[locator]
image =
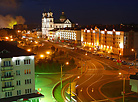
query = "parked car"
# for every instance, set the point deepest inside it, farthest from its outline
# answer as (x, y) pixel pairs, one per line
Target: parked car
(114, 60)
(107, 57)
(111, 58)
(101, 55)
(124, 62)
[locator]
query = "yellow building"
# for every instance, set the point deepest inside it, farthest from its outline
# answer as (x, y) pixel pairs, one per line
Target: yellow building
(111, 41)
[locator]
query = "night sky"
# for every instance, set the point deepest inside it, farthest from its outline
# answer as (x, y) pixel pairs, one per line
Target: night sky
(83, 12)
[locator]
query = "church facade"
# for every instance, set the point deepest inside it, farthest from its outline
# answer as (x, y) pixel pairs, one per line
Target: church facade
(48, 23)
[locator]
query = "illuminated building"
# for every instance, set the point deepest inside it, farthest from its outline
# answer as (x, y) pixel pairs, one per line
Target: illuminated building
(48, 23)
(71, 35)
(17, 75)
(110, 40)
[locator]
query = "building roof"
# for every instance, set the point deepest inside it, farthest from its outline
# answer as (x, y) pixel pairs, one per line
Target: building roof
(63, 16)
(27, 96)
(9, 50)
(135, 77)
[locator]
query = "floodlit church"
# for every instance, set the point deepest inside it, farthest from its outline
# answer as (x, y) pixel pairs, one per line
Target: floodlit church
(48, 23)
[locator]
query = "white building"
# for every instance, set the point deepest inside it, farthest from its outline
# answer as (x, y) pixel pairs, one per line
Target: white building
(48, 23)
(17, 74)
(70, 35)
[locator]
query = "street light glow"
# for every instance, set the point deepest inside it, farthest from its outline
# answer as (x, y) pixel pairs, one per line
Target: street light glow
(132, 49)
(41, 56)
(120, 73)
(67, 63)
(28, 50)
(48, 52)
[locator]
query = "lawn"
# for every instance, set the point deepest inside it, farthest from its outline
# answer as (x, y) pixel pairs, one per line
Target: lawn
(115, 88)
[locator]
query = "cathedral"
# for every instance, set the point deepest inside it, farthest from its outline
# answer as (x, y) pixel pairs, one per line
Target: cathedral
(48, 23)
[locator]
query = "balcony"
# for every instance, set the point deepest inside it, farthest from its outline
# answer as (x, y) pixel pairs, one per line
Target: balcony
(6, 68)
(7, 88)
(5, 78)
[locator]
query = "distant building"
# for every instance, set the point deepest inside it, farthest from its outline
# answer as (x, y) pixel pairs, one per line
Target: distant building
(134, 82)
(111, 40)
(48, 23)
(17, 74)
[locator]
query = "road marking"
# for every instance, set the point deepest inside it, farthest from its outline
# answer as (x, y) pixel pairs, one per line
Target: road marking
(100, 100)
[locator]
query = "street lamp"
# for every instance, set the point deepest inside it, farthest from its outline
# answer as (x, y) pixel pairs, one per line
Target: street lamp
(123, 92)
(62, 65)
(70, 85)
(135, 55)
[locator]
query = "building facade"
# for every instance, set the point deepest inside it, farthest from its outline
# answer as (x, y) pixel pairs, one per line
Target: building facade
(70, 35)
(111, 41)
(49, 23)
(17, 74)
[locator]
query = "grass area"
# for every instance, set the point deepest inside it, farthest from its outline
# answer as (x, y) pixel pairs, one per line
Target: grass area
(57, 91)
(115, 88)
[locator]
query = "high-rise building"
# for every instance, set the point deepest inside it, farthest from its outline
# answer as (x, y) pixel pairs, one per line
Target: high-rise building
(17, 74)
(48, 23)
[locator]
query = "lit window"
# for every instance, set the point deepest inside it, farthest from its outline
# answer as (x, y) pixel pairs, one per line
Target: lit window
(24, 71)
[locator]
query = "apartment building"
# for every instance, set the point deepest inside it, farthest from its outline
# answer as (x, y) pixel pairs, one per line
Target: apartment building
(111, 40)
(17, 74)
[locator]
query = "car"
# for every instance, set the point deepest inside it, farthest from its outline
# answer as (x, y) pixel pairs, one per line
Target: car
(107, 57)
(111, 58)
(131, 64)
(101, 55)
(114, 60)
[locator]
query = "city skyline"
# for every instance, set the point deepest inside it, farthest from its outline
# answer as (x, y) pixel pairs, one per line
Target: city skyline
(83, 13)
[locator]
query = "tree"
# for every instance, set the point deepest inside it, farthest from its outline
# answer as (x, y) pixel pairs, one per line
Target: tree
(72, 61)
(53, 48)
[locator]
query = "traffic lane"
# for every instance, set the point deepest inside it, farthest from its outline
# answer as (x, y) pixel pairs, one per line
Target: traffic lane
(82, 89)
(87, 80)
(94, 89)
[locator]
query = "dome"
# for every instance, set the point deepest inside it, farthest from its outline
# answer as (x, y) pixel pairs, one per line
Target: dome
(63, 17)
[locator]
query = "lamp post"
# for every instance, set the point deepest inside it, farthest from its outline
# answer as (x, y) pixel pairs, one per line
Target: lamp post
(135, 55)
(70, 86)
(123, 92)
(62, 65)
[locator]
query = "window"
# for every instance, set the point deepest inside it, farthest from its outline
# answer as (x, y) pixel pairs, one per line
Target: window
(17, 72)
(7, 74)
(28, 91)
(18, 82)
(18, 92)
(7, 63)
(17, 62)
(27, 61)
(27, 71)
(8, 84)
(24, 71)
(8, 94)
(27, 81)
